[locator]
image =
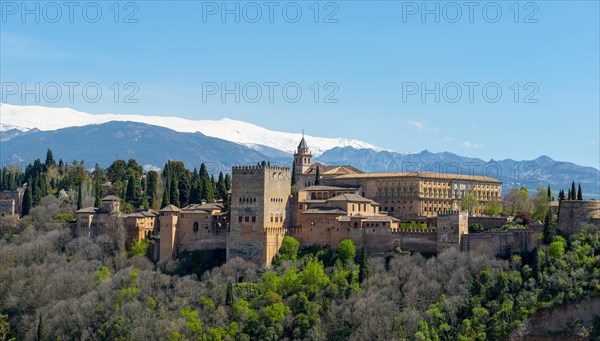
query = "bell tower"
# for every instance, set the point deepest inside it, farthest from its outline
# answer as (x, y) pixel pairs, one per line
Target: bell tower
(302, 157)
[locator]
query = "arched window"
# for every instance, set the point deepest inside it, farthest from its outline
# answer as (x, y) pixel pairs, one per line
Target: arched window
(195, 226)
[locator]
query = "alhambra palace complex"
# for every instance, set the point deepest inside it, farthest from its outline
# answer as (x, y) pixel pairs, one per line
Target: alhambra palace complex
(367, 208)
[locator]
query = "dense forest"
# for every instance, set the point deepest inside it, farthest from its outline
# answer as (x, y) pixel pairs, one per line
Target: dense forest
(55, 286)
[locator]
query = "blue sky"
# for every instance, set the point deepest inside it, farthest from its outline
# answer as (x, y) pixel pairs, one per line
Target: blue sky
(373, 62)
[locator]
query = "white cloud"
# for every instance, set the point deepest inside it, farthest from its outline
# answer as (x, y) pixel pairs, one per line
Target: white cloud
(420, 125)
(468, 144)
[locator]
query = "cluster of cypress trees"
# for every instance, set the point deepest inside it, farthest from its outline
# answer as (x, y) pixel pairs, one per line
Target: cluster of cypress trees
(182, 187)
(571, 194)
(178, 185)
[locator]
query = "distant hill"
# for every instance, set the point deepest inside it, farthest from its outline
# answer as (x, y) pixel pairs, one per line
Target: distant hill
(151, 145)
(528, 173)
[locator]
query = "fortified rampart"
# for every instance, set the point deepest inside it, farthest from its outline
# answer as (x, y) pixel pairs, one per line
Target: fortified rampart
(575, 214)
(502, 243)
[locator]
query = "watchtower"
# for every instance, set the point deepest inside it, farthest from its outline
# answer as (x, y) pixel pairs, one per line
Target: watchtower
(260, 197)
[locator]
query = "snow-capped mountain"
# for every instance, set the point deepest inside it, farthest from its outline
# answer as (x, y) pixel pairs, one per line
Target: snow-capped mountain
(25, 118)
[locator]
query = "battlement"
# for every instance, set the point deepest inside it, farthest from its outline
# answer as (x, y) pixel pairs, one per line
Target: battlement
(275, 230)
(415, 231)
(259, 168)
(450, 213)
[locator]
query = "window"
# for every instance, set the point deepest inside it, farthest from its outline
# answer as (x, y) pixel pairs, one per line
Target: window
(254, 219)
(195, 226)
(247, 218)
(240, 219)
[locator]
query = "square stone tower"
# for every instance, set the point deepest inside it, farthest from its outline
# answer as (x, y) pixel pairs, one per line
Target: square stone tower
(450, 228)
(260, 199)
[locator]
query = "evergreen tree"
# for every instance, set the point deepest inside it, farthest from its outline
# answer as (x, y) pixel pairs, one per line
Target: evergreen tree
(364, 272)
(40, 330)
(27, 201)
(579, 194)
(317, 177)
(561, 195)
(174, 193)
(549, 229)
(196, 193)
(294, 174)
(97, 194)
(229, 300)
(549, 193)
(152, 187)
(573, 191)
(207, 186)
(207, 191)
(166, 196)
(49, 159)
(130, 194)
(228, 181)
(80, 197)
(569, 195)
(221, 187)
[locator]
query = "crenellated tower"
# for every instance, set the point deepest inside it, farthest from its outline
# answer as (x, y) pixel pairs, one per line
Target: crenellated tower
(260, 200)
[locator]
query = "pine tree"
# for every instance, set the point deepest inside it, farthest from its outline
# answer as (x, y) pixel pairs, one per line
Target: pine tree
(579, 194)
(27, 201)
(229, 300)
(80, 197)
(573, 191)
(364, 272)
(317, 177)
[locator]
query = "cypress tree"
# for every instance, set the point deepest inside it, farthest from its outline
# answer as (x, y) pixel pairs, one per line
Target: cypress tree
(228, 181)
(364, 272)
(174, 192)
(166, 196)
(549, 193)
(49, 159)
(317, 177)
(229, 300)
(573, 191)
(130, 194)
(97, 194)
(152, 187)
(40, 330)
(221, 187)
(549, 229)
(569, 195)
(561, 195)
(196, 193)
(294, 174)
(207, 191)
(27, 201)
(579, 194)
